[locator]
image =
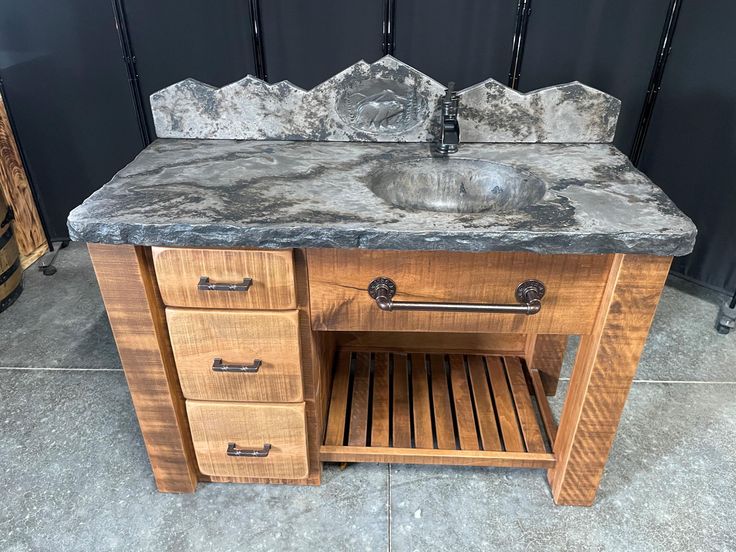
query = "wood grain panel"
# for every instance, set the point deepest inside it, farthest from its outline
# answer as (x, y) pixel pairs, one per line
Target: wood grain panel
(358, 432)
(434, 456)
(138, 323)
(380, 418)
(484, 404)
(338, 279)
(335, 433)
(422, 411)
(402, 416)
(179, 271)
(550, 426)
(441, 401)
(464, 416)
(428, 342)
(15, 187)
(198, 336)
(250, 426)
(504, 406)
(604, 368)
(524, 408)
(546, 355)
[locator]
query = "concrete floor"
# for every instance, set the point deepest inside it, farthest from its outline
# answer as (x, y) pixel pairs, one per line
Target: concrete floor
(76, 476)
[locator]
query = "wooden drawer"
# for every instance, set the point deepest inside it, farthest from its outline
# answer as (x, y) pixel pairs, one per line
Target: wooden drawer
(179, 271)
(250, 427)
(237, 338)
(339, 278)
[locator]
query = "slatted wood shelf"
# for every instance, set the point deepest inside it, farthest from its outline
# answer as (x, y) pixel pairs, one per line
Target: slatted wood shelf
(417, 408)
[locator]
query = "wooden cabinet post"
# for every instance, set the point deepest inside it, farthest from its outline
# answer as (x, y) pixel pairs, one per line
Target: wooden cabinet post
(138, 322)
(604, 368)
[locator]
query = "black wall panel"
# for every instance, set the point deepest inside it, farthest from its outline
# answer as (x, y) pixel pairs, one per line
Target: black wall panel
(465, 41)
(607, 44)
(67, 92)
(691, 147)
(66, 83)
(306, 42)
(172, 40)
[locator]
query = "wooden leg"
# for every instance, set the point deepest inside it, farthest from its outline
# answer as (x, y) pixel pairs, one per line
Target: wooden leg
(604, 367)
(544, 353)
(137, 318)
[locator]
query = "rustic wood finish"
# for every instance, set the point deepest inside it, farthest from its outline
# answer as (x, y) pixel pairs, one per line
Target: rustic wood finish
(250, 426)
(338, 280)
(480, 343)
(545, 354)
(481, 458)
(604, 367)
(179, 271)
(139, 325)
(15, 187)
(198, 336)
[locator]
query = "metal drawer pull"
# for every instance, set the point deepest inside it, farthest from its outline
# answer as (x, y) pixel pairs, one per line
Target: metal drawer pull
(205, 285)
(529, 294)
(218, 366)
(233, 450)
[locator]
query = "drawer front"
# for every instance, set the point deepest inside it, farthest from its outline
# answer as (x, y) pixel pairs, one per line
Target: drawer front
(239, 339)
(250, 428)
(271, 273)
(339, 300)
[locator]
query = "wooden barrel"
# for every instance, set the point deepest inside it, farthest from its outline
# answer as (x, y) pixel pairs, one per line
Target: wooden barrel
(11, 273)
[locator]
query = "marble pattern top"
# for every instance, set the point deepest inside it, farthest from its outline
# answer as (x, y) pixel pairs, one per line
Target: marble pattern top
(228, 193)
(385, 101)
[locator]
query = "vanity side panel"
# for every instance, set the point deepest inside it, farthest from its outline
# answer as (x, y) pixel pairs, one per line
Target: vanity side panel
(136, 314)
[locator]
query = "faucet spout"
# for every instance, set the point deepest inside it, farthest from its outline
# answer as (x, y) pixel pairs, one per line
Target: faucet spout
(450, 127)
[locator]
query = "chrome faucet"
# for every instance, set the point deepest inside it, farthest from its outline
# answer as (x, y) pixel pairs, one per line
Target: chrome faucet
(450, 131)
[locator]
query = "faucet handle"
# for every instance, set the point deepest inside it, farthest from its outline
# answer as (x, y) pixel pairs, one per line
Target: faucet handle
(450, 91)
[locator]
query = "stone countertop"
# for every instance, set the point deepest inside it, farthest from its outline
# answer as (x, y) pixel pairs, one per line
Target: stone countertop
(228, 193)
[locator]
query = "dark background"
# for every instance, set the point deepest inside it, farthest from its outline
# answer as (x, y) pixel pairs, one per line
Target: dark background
(65, 82)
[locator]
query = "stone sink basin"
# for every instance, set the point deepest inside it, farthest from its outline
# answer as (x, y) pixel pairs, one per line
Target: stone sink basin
(456, 185)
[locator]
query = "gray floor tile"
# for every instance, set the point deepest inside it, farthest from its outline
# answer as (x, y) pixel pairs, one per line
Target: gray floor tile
(76, 477)
(669, 485)
(683, 344)
(59, 321)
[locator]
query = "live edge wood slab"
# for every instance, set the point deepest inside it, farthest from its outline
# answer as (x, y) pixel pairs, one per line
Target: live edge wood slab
(574, 453)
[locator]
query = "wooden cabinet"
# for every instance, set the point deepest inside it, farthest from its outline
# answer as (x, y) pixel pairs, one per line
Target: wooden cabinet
(237, 355)
(237, 279)
(280, 360)
(339, 300)
(249, 440)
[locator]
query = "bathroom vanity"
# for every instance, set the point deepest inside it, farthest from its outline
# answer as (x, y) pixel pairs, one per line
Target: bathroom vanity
(296, 277)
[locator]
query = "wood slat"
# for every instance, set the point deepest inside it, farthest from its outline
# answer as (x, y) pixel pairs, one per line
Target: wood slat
(380, 417)
(358, 431)
(335, 433)
(483, 404)
(544, 411)
(466, 430)
(402, 416)
(441, 398)
(504, 406)
(422, 409)
(524, 407)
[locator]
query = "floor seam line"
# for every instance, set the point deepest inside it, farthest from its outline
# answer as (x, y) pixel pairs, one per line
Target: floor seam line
(48, 369)
(388, 478)
(686, 382)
